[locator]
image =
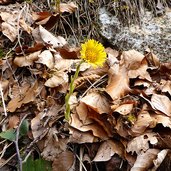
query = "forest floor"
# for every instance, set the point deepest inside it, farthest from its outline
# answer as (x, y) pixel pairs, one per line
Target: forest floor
(120, 112)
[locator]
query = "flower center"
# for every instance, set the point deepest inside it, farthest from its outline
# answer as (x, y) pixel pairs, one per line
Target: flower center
(91, 55)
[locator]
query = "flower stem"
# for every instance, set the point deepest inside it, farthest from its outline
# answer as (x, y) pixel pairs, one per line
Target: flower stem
(71, 90)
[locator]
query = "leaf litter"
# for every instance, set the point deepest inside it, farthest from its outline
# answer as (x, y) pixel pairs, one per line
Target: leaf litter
(121, 109)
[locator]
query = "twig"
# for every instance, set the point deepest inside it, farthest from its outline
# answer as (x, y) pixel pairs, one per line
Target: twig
(92, 85)
(7, 160)
(16, 143)
(81, 158)
(3, 101)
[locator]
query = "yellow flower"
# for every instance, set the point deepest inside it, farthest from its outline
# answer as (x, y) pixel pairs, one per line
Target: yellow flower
(93, 53)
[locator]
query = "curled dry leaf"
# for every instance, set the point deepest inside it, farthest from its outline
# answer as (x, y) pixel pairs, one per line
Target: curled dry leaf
(26, 60)
(160, 157)
(46, 58)
(141, 143)
(64, 64)
(143, 121)
(107, 149)
(88, 116)
(12, 23)
(13, 122)
(161, 103)
(118, 84)
(97, 102)
(96, 129)
(145, 160)
(166, 86)
(79, 137)
(38, 130)
(161, 119)
(153, 60)
(41, 17)
(69, 7)
(124, 109)
(64, 161)
(9, 31)
(59, 78)
(131, 59)
(140, 72)
(28, 95)
(67, 52)
(53, 145)
(50, 39)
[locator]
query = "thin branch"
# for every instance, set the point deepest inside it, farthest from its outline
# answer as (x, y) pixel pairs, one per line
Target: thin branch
(3, 101)
(16, 143)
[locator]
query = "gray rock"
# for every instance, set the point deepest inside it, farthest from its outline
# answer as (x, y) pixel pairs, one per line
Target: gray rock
(153, 33)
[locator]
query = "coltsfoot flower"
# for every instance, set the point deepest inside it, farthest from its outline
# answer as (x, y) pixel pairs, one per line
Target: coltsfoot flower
(93, 53)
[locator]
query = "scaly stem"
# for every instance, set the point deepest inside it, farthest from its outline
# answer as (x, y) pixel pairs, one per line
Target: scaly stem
(71, 90)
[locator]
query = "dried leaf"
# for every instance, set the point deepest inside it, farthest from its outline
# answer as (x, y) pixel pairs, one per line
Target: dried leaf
(9, 31)
(79, 137)
(140, 71)
(28, 95)
(26, 60)
(60, 78)
(124, 109)
(144, 121)
(13, 122)
(53, 145)
(63, 162)
(50, 39)
(144, 161)
(68, 52)
(118, 84)
(160, 157)
(94, 127)
(141, 143)
(161, 103)
(46, 58)
(161, 119)
(107, 150)
(69, 7)
(132, 59)
(38, 129)
(97, 102)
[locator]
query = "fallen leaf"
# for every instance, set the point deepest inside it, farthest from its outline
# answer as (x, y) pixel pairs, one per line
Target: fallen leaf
(96, 129)
(13, 122)
(144, 120)
(140, 71)
(67, 7)
(131, 59)
(26, 60)
(124, 109)
(53, 145)
(9, 31)
(64, 161)
(141, 143)
(162, 119)
(145, 160)
(97, 102)
(50, 39)
(118, 84)
(46, 58)
(79, 137)
(160, 157)
(161, 103)
(60, 78)
(28, 95)
(107, 149)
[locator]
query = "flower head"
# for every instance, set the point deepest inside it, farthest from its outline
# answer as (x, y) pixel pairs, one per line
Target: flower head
(93, 53)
